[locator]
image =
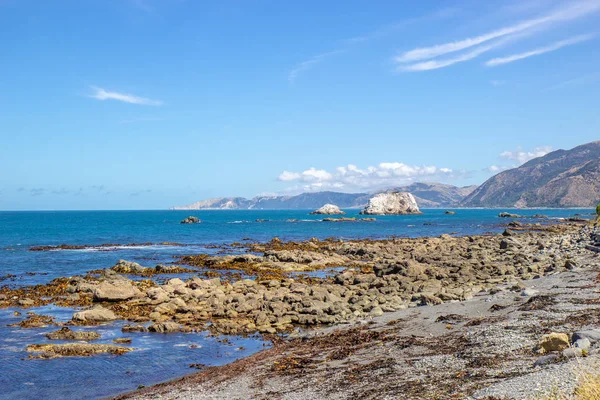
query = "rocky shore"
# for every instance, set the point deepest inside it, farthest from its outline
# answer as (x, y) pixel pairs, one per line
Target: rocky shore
(527, 340)
(272, 288)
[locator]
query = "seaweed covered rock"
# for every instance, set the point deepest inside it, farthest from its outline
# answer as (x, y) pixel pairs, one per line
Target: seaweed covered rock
(191, 220)
(74, 350)
(65, 333)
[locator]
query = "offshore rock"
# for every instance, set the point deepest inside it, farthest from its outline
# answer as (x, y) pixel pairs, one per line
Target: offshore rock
(191, 220)
(74, 350)
(395, 203)
(329, 209)
(67, 334)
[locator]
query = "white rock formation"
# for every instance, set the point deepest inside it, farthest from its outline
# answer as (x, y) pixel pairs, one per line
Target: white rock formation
(329, 209)
(395, 203)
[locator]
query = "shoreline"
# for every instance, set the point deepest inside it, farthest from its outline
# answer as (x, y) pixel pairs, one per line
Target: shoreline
(463, 349)
(382, 278)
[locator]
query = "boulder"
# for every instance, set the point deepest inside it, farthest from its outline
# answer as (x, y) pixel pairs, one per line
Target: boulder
(116, 291)
(529, 292)
(164, 327)
(509, 215)
(572, 352)
(583, 344)
(548, 359)
(376, 312)
(554, 342)
(394, 203)
(329, 209)
(191, 220)
(134, 328)
(96, 314)
(128, 267)
(593, 335)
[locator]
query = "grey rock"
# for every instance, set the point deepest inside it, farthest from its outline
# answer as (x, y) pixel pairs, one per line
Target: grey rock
(572, 352)
(544, 360)
(583, 344)
(529, 292)
(592, 335)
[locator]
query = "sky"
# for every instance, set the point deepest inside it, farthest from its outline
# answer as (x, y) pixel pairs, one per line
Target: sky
(147, 104)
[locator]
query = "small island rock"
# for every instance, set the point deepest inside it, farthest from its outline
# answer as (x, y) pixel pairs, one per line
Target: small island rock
(394, 203)
(191, 220)
(329, 209)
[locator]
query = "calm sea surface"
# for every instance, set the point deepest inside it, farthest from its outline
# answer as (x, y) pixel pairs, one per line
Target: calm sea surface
(162, 357)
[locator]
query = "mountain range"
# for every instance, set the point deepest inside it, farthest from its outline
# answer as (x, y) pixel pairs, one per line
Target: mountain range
(562, 178)
(428, 195)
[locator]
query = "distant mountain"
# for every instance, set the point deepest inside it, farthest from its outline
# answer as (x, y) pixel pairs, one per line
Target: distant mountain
(435, 195)
(427, 195)
(301, 201)
(562, 178)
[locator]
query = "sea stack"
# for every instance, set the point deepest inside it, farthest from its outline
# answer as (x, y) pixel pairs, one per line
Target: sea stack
(394, 203)
(329, 209)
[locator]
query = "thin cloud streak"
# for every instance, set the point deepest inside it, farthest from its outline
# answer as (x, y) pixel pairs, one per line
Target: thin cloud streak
(582, 80)
(308, 64)
(542, 50)
(571, 12)
(101, 94)
(389, 29)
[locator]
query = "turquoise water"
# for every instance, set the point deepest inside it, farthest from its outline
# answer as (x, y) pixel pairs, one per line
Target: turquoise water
(162, 357)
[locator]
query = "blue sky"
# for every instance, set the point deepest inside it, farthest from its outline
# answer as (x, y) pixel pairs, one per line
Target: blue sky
(135, 104)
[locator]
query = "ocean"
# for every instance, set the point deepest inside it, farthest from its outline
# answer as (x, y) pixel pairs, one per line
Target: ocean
(161, 357)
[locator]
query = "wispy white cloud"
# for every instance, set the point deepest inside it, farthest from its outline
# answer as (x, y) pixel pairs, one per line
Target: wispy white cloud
(574, 10)
(101, 94)
(436, 64)
(351, 177)
(385, 30)
(520, 156)
(310, 63)
(497, 82)
(541, 50)
(414, 58)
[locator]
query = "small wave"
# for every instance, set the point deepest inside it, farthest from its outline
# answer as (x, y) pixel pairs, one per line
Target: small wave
(238, 222)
